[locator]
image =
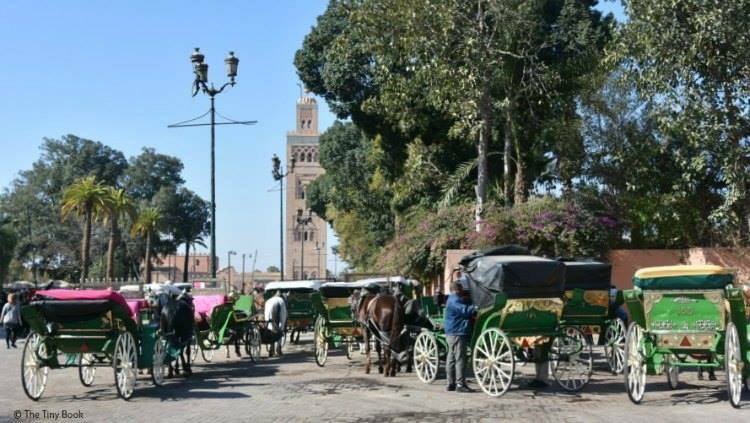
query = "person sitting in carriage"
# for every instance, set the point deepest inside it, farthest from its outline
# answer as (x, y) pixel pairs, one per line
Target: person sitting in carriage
(458, 314)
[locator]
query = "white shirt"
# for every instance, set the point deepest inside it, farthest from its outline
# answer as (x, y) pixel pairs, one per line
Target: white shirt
(271, 303)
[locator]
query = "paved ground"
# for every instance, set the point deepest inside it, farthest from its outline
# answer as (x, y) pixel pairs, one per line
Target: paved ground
(294, 388)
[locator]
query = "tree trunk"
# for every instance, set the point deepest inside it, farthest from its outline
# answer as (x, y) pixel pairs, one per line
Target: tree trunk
(507, 154)
(113, 241)
(485, 135)
(187, 262)
(147, 266)
(519, 195)
(85, 245)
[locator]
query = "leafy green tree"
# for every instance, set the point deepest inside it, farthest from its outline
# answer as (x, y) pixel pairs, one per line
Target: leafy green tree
(150, 171)
(8, 241)
(119, 206)
(691, 58)
(185, 218)
(147, 225)
(272, 269)
(88, 200)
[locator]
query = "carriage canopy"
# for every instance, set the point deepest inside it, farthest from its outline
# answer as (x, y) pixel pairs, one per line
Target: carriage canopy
(344, 289)
(306, 286)
(587, 275)
(684, 277)
(517, 276)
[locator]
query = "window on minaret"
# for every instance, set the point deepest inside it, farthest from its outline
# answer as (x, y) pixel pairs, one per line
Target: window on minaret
(303, 124)
(309, 157)
(309, 124)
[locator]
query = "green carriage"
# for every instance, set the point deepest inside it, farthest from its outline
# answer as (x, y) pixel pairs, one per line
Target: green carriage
(300, 311)
(520, 301)
(594, 307)
(686, 317)
(223, 321)
(335, 326)
(90, 329)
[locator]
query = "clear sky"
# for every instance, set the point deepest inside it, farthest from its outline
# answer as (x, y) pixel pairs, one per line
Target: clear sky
(119, 73)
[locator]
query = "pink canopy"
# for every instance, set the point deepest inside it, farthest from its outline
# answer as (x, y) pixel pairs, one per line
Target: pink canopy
(136, 305)
(86, 294)
(204, 305)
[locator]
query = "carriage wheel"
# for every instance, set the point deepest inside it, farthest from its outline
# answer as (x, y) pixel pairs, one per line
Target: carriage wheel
(426, 359)
(635, 364)
(572, 359)
(614, 347)
(208, 347)
(125, 364)
(673, 372)
(252, 342)
(733, 365)
(86, 369)
(33, 372)
(321, 343)
(493, 362)
(159, 366)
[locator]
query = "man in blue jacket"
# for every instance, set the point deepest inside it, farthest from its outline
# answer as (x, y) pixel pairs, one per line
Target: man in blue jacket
(457, 332)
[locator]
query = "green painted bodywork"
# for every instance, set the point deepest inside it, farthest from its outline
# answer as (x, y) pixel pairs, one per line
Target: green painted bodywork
(225, 320)
(685, 282)
(676, 314)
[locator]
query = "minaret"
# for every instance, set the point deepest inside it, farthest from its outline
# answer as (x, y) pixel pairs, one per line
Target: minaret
(302, 147)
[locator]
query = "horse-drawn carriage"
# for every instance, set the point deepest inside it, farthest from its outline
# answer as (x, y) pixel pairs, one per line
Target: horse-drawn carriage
(335, 324)
(520, 301)
(223, 321)
(686, 316)
(89, 329)
(300, 311)
(594, 308)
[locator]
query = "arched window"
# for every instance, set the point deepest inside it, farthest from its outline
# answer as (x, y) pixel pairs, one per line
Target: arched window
(309, 124)
(302, 157)
(305, 235)
(309, 157)
(303, 124)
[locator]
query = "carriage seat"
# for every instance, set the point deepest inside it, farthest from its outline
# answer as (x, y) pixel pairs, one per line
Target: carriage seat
(683, 277)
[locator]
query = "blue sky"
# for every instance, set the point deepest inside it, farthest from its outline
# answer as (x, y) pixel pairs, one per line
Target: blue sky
(119, 73)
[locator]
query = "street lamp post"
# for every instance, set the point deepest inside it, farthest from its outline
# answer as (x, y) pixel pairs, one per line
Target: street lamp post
(279, 175)
(303, 221)
(229, 269)
(200, 70)
(319, 249)
(243, 273)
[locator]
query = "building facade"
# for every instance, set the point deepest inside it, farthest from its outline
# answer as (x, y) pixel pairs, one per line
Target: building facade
(305, 256)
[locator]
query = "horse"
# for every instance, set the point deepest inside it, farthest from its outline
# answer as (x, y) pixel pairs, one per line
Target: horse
(176, 324)
(275, 313)
(385, 322)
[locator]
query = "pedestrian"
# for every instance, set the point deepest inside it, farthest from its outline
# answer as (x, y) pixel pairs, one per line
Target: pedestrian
(458, 314)
(439, 299)
(11, 318)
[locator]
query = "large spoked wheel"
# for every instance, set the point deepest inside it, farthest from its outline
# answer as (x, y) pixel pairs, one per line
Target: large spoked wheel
(160, 367)
(252, 343)
(194, 349)
(673, 372)
(125, 364)
(635, 364)
(321, 343)
(86, 369)
(426, 358)
(33, 372)
(733, 364)
(208, 347)
(614, 347)
(493, 362)
(571, 359)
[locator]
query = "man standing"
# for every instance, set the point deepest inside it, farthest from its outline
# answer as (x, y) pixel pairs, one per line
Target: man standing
(457, 331)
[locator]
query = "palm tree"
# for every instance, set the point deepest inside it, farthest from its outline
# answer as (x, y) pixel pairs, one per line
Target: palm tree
(120, 205)
(147, 225)
(192, 240)
(87, 200)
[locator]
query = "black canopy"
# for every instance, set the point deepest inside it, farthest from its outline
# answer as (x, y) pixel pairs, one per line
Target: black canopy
(518, 276)
(588, 275)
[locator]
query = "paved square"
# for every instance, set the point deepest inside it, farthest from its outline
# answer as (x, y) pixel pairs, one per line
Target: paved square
(294, 388)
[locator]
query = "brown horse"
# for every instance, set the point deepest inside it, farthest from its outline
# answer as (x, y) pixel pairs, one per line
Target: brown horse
(385, 322)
